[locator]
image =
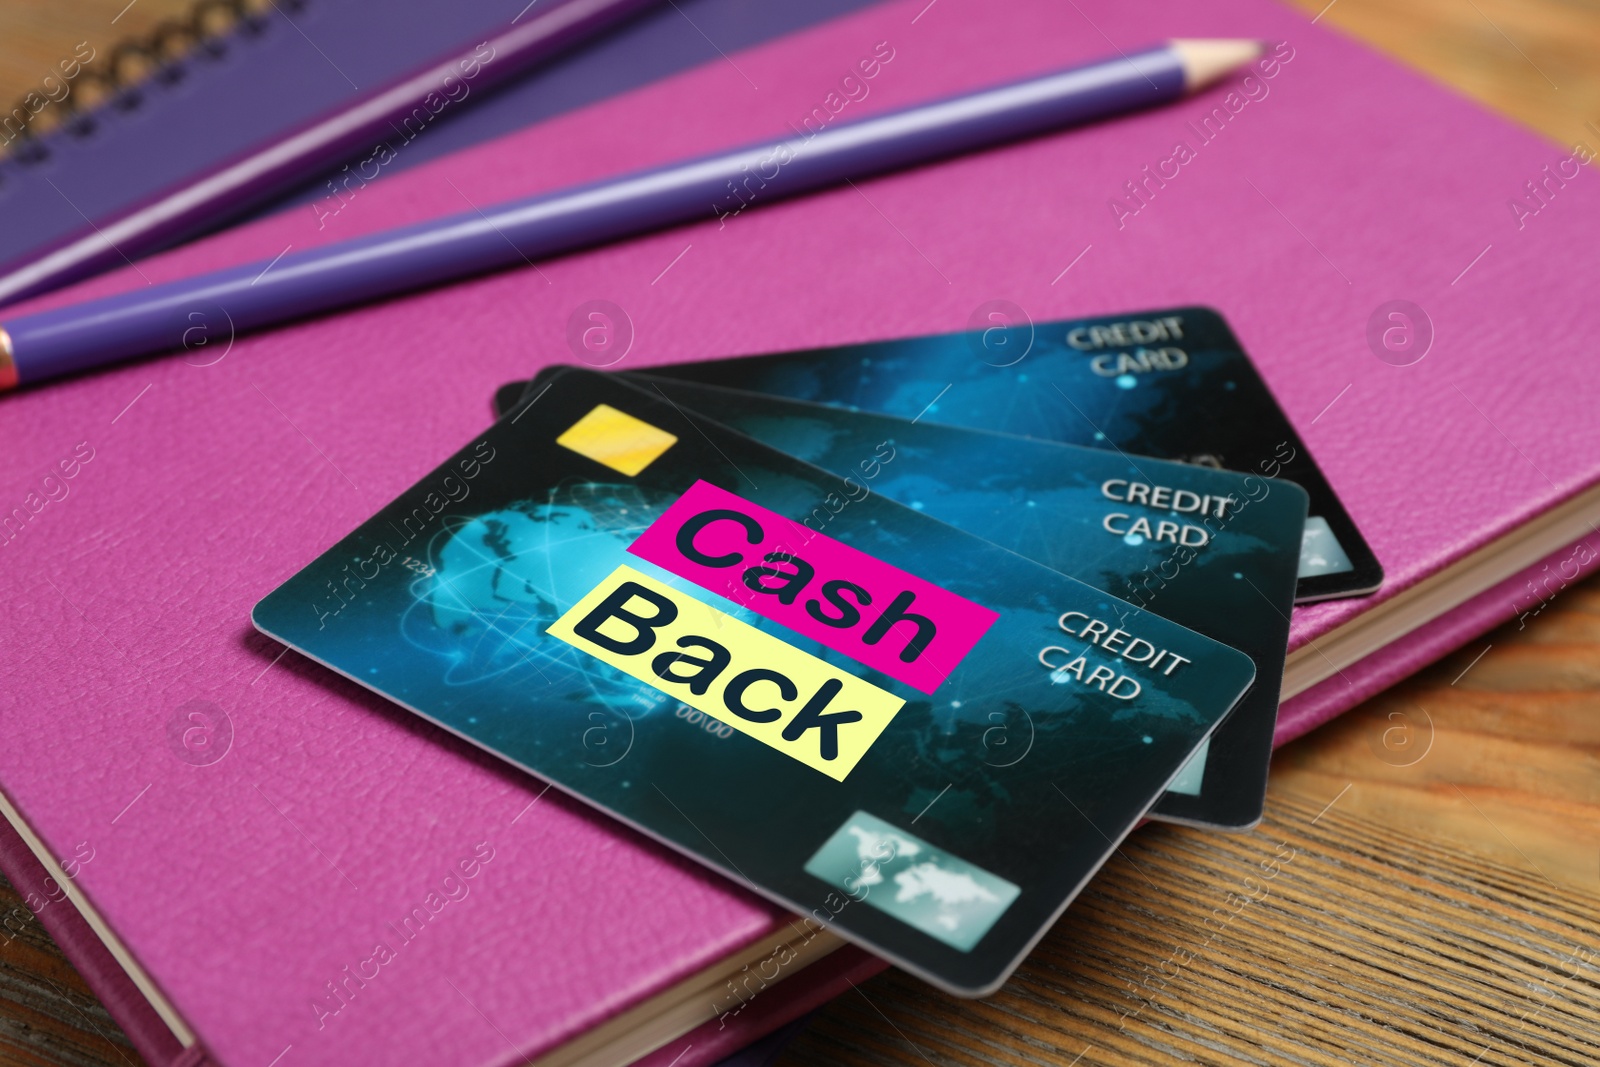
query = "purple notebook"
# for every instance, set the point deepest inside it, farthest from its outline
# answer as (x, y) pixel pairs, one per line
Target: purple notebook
(302, 59)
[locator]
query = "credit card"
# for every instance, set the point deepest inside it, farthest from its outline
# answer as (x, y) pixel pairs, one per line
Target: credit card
(1174, 384)
(1212, 550)
(784, 676)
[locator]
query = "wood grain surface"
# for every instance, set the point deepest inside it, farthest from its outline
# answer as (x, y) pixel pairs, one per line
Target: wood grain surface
(1425, 888)
(48, 1015)
(1422, 891)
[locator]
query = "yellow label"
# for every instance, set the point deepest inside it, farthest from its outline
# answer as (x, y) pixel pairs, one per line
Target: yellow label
(616, 439)
(758, 684)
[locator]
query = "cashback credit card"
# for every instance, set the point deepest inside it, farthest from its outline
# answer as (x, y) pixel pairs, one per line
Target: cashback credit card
(1174, 384)
(793, 680)
(1213, 550)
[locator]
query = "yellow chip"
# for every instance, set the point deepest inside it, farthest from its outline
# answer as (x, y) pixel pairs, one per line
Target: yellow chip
(616, 439)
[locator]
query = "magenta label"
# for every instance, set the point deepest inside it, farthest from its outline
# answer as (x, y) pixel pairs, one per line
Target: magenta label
(892, 621)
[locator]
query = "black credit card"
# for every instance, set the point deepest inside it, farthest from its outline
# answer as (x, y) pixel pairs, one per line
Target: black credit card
(1171, 383)
(1212, 550)
(768, 668)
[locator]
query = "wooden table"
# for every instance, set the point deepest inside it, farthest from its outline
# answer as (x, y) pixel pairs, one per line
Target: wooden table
(1441, 912)
(1424, 887)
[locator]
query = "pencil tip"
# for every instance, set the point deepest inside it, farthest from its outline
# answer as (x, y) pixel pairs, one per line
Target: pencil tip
(1210, 59)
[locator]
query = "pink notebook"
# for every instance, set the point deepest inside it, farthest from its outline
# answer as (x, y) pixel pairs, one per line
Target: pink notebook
(244, 888)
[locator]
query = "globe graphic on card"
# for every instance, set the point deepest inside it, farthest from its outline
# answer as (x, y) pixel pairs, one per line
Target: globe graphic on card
(498, 579)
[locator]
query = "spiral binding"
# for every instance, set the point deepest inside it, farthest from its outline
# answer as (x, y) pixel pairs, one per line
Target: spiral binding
(120, 84)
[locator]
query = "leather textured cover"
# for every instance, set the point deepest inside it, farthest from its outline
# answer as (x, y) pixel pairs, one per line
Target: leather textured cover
(247, 885)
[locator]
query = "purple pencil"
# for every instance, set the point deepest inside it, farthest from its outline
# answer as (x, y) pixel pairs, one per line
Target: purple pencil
(82, 336)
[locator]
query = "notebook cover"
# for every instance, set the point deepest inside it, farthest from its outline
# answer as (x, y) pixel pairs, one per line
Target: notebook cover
(129, 596)
(747, 1035)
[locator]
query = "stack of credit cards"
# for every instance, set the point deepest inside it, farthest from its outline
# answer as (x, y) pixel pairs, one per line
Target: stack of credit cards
(906, 636)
